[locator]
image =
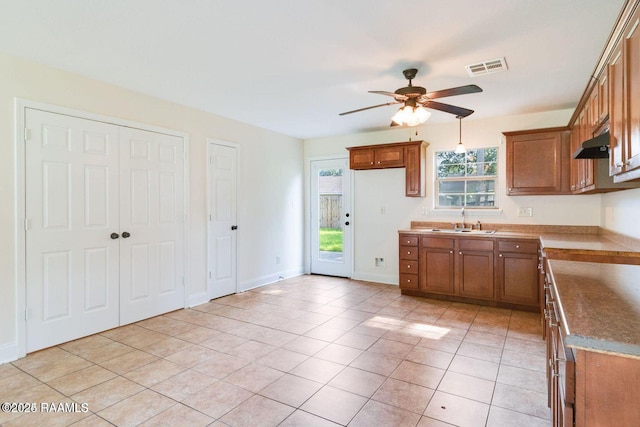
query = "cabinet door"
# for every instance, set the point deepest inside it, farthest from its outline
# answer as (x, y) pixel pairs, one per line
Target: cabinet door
(389, 157)
(436, 270)
(631, 156)
(361, 158)
(594, 108)
(616, 112)
(538, 163)
(603, 95)
(475, 274)
(575, 163)
(414, 172)
(518, 278)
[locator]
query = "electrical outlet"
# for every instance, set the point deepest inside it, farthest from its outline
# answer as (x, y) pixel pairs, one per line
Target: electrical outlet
(379, 262)
(383, 210)
(277, 260)
(525, 211)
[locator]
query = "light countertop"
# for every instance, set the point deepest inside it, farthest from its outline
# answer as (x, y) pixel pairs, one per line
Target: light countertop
(599, 305)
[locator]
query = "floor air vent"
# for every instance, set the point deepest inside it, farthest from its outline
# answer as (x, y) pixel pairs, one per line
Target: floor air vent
(486, 67)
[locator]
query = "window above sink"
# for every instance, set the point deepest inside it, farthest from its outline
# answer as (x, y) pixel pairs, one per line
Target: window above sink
(466, 180)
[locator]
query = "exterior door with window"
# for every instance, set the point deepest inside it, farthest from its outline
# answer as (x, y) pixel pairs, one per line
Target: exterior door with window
(331, 217)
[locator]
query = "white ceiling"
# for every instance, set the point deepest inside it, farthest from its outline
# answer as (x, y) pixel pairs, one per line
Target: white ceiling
(292, 65)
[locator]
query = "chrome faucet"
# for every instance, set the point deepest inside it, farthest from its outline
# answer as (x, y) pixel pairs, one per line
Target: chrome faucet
(462, 212)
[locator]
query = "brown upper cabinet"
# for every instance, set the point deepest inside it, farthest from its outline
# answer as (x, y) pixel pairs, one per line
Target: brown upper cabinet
(409, 155)
(613, 101)
(538, 162)
(376, 157)
(616, 110)
(630, 162)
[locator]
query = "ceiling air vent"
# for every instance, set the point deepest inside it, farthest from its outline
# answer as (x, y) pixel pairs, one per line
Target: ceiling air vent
(486, 67)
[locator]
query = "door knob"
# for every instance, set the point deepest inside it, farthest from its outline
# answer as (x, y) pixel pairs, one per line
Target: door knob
(346, 223)
(126, 234)
(114, 236)
(234, 227)
(347, 215)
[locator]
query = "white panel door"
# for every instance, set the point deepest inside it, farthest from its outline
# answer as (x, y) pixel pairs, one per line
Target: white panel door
(222, 217)
(71, 211)
(151, 224)
(331, 218)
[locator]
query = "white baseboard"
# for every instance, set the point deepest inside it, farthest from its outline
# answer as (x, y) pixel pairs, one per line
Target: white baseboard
(8, 352)
(197, 299)
(378, 278)
(270, 278)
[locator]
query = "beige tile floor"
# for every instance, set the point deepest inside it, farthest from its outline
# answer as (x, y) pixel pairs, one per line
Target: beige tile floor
(308, 351)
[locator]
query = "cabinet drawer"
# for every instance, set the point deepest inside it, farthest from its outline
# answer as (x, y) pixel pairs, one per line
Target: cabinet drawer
(437, 242)
(408, 281)
(475, 244)
(521, 246)
(408, 240)
(408, 252)
(410, 267)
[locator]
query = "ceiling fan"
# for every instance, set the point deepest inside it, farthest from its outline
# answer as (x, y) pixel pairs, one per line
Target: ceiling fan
(417, 96)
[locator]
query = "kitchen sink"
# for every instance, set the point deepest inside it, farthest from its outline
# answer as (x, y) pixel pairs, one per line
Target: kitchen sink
(460, 231)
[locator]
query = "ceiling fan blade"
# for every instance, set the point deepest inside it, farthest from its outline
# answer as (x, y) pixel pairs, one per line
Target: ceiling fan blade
(461, 90)
(395, 95)
(452, 109)
(368, 108)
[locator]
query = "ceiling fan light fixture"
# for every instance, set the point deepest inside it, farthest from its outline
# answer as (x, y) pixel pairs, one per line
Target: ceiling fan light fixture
(411, 116)
(422, 113)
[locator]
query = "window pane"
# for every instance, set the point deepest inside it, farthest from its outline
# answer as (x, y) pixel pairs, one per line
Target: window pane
(490, 155)
(450, 170)
(490, 169)
(472, 169)
(450, 200)
(481, 186)
(451, 187)
(450, 164)
(480, 200)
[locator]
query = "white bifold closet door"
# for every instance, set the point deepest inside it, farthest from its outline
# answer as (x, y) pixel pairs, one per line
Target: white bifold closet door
(151, 224)
(87, 184)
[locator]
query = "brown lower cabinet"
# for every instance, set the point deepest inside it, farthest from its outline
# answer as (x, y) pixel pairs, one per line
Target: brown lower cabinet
(476, 269)
(587, 388)
(517, 279)
(561, 371)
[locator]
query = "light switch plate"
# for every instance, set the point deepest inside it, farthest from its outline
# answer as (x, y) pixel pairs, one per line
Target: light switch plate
(525, 211)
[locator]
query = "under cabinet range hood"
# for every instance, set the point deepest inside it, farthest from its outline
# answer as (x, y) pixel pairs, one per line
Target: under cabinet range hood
(594, 148)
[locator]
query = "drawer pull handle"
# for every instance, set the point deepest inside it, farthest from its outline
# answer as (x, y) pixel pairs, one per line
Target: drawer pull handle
(500, 255)
(408, 242)
(409, 253)
(409, 266)
(517, 246)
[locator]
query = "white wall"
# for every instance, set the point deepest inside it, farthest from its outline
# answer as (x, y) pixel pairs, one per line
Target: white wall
(271, 191)
(375, 233)
(621, 212)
